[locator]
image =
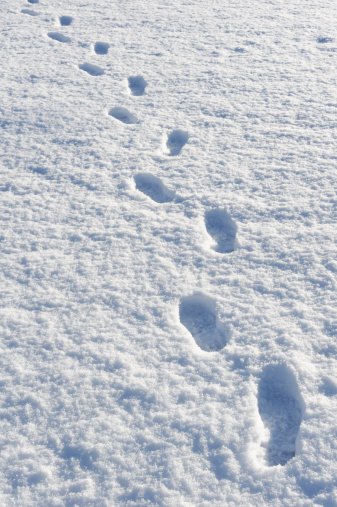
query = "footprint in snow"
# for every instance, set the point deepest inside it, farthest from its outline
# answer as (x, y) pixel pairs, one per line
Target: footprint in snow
(281, 409)
(101, 48)
(42, 171)
(30, 12)
(93, 70)
(324, 40)
(123, 115)
(33, 1)
(153, 187)
(137, 85)
(65, 20)
(198, 314)
(222, 228)
(59, 37)
(175, 142)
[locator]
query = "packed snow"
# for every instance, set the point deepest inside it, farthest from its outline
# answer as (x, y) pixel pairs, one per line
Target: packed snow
(168, 261)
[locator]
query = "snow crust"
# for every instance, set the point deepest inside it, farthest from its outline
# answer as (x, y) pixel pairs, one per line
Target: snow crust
(168, 260)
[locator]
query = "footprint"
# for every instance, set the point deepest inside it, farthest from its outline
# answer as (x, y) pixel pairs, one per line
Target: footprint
(59, 37)
(176, 140)
(101, 48)
(33, 1)
(43, 171)
(65, 20)
(137, 85)
(324, 40)
(222, 228)
(281, 409)
(30, 12)
(153, 187)
(93, 70)
(123, 115)
(198, 314)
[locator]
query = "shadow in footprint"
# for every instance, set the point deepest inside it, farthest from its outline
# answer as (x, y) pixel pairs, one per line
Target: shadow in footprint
(33, 1)
(93, 70)
(176, 140)
(101, 48)
(222, 228)
(281, 409)
(122, 114)
(43, 171)
(153, 187)
(29, 12)
(198, 314)
(324, 40)
(137, 85)
(65, 20)
(59, 37)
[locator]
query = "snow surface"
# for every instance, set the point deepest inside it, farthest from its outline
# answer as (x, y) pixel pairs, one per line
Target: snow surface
(168, 253)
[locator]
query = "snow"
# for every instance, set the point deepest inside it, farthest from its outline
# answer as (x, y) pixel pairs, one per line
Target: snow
(168, 261)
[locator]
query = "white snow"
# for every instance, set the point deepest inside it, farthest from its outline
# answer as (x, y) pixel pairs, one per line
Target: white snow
(168, 253)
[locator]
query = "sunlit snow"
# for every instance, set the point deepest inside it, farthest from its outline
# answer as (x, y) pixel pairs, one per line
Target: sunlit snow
(168, 322)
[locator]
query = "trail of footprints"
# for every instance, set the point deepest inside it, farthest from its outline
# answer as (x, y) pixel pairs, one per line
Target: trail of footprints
(279, 401)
